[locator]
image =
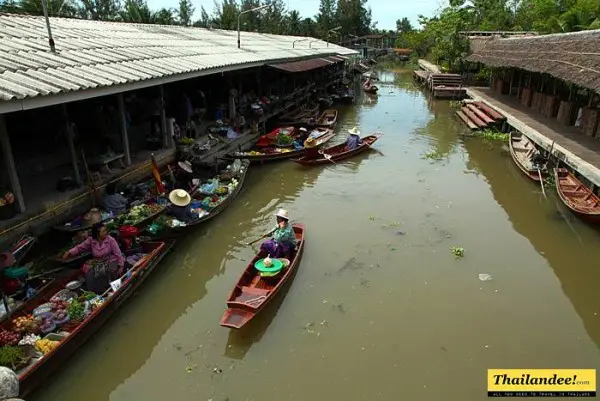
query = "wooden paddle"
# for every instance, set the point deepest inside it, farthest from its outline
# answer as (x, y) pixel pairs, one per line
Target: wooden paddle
(542, 183)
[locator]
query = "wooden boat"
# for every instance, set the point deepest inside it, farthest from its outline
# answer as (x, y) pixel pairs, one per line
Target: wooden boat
(302, 113)
(253, 292)
(39, 370)
(346, 96)
(21, 248)
(339, 152)
(328, 119)
(170, 232)
(271, 138)
(521, 150)
(576, 196)
(273, 154)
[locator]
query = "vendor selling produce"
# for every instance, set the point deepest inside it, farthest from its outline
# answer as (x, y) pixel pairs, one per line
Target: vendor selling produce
(107, 263)
(114, 202)
(180, 206)
(283, 241)
(185, 176)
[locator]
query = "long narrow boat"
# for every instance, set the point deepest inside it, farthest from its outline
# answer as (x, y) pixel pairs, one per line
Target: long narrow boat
(39, 370)
(253, 292)
(522, 149)
(81, 223)
(328, 119)
(576, 196)
(339, 152)
(304, 112)
(223, 202)
(273, 154)
(372, 90)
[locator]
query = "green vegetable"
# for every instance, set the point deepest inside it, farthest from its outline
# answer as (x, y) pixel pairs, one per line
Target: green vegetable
(11, 356)
(76, 310)
(284, 139)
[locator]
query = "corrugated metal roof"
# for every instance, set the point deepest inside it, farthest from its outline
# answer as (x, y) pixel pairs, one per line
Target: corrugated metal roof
(95, 54)
(302, 65)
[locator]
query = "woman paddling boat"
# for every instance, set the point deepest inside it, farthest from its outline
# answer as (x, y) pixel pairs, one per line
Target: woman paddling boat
(353, 140)
(283, 239)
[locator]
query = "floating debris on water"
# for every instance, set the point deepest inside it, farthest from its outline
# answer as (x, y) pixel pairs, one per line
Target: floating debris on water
(485, 277)
(458, 252)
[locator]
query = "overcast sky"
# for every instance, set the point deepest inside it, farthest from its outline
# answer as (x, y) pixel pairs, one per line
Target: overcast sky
(385, 12)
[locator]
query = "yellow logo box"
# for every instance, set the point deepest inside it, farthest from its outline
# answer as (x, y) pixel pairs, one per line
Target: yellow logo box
(535, 380)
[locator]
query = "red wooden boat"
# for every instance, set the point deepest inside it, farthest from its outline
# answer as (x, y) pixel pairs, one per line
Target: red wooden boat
(576, 196)
(37, 372)
(271, 138)
(273, 154)
(339, 152)
(521, 150)
(253, 292)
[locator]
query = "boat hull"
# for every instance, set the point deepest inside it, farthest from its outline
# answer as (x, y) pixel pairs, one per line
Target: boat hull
(240, 312)
(36, 375)
(519, 143)
(576, 196)
(337, 153)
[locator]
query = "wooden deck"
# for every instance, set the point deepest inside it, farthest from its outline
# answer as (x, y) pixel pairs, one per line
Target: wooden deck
(580, 152)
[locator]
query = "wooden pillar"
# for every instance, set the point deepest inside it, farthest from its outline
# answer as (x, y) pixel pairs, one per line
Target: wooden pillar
(510, 85)
(167, 139)
(123, 123)
(10, 165)
(71, 141)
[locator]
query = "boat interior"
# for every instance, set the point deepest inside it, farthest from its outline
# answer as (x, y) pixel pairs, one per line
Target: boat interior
(577, 193)
(252, 289)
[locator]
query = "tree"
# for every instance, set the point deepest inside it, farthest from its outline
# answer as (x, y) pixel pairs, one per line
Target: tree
(204, 20)
(403, 25)
(308, 27)
(251, 21)
(56, 8)
(226, 14)
(164, 16)
(185, 12)
(326, 18)
(293, 23)
(273, 16)
(102, 10)
(136, 11)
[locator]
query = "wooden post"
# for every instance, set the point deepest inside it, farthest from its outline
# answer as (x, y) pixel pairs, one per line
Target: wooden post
(519, 87)
(10, 165)
(510, 85)
(167, 139)
(71, 141)
(124, 133)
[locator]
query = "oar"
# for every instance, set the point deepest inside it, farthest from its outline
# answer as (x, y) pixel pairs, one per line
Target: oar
(258, 239)
(542, 183)
(328, 157)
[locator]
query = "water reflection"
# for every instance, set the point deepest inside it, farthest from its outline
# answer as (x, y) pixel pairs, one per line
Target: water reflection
(569, 245)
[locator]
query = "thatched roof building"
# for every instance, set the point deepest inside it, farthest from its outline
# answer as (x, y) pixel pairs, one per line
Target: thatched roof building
(572, 57)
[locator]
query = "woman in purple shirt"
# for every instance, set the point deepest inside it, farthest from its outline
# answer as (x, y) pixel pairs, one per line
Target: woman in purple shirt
(108, 262)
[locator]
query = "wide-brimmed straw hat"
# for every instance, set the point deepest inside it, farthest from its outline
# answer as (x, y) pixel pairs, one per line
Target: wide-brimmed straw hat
(282, 213)
(354, 131)
(186, 166)
(179, 197)
(303, 129)
(7, 259)
(310, 143)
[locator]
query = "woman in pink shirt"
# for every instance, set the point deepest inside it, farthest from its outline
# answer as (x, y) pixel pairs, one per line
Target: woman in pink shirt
(108, 262)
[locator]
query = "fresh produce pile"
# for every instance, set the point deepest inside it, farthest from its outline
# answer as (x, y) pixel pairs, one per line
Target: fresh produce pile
(45, 345)
(26, 324)
(29, 339)
(284, 139)
(76, 310)
(13, 357)
(59, 310)
(47, 323)
(137, 214)
(222, 191)
(9, 338)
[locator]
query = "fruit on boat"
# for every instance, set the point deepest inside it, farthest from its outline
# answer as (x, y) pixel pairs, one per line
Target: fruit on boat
(45, 345)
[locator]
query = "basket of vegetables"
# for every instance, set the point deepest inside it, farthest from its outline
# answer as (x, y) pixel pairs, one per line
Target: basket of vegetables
(284, 139)
(76, 311)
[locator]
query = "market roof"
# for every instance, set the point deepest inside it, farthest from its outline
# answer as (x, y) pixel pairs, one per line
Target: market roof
(572, 57)
(305, 65)
(95, 58)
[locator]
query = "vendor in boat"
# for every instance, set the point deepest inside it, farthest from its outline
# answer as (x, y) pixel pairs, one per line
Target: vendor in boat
(180, 206)
(304, 134)
(311, 151)
(283, 241)
(107, 263)
(354, 140)
(114, 202)
(185, 176)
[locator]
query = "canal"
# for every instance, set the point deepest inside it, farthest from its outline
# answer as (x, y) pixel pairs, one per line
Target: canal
(380, 307)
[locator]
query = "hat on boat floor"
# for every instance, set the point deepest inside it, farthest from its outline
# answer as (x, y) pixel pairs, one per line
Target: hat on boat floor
(354, 131)
(179, 197)
(186, 166)
(283, 214)
(310, 143)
